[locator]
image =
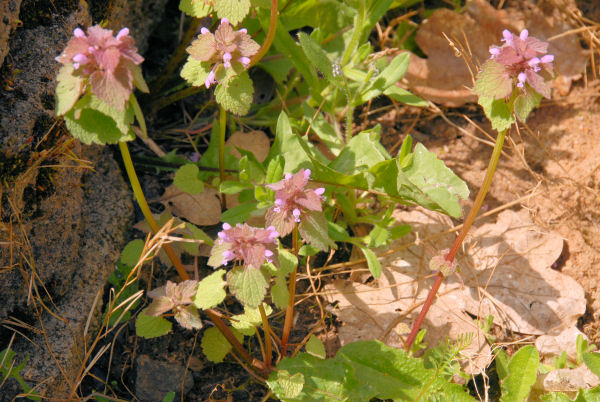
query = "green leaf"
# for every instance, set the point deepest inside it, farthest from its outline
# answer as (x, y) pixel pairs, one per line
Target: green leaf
(555, 397)
(378, 236)
(287, 146)
(323, 129)
(402, 95)
(210, 158)
(315, 347)
(288, 385)
(211, 291)
(372, 261)
(235, 93)
(246, 323)
(386, 79)
(68, 89)
(362, 371)
(287, 261)
(233, 187)
(493, 81)
(138, 79)
(195, 71)
(497, 111)
(405, 153)
(8, 369)
(234, 10)
(525, 103)
(248, 285)
(280, 293)
(251, 170)
(436, 181)
(215, 346)
(399, 231)
(313, 229)
(148, 326)
(329, 15)
(169, 397)
(592, 361)
(501, 361)
(195, 8)
(132, 252)
(187, 179)
(317, 55)
(362, 152)
(239, 213)
(522, 373)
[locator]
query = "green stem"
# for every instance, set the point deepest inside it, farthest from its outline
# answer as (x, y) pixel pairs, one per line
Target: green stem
(289, 311)
(358, 27)
(270, 35)
(268, 347)
(222, 131)
(485, 186)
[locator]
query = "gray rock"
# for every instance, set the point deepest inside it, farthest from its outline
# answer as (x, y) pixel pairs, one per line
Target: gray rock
(9, 14)
(155, 379)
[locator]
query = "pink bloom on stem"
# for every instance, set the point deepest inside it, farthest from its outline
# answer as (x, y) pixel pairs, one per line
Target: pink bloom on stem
(246, 243)
(523, 58)
(293, 199)
(222, 49)
(106, 61)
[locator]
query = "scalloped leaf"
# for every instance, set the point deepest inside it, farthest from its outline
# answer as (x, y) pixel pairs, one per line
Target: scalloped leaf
(68, 89)
(195, 71)
(246, 323)
(148, 326)
(234, 10)
(187, 179)
(314, 230)
(132, 252)
(211, 291)
(248, 285)
(315, 347)
(215, 346)
(236, 93)
(195, 8)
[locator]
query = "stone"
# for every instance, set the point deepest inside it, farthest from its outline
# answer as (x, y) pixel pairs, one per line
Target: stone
(157, 378)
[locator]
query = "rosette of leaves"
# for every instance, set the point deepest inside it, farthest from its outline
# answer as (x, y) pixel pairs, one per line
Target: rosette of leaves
(222, 58)
(514, 79)
(95, 86)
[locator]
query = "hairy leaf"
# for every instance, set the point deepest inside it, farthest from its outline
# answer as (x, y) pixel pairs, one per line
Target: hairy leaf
(235, 94)
(234, 10)
(148, 326)
(186, 179)
(215, 346)
(522, 372)
(211, 291)
(248, 285)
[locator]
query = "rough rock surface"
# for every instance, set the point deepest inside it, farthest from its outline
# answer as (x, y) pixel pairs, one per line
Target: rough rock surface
(155, 379)
(63, 228)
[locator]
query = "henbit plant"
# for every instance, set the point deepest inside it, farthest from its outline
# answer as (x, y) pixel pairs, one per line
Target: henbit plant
(511, 83)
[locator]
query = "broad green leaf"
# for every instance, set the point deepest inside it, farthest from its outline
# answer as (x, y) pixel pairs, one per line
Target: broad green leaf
(148, 326)
(386, 79)
(313, 229)
(378, 236)
(246, 323)
(280, 293)
(215, 346)
(233, 187)
(211, 291)
(402, 95)
(501, 361)
(288, 146)
(317, 55)
(592, 361)
(91, 126)
(68, 89)
(365, 370)
(195, 8)
(315, 347)
(132, 252)
(323, 129)
(275, 169)
(187, 179)
(329, 15)
(399, 231)
(239, 213)
(251, 170)
(497, 111)
(493, 81)
(169, 397)
(248, 285)
(436, 181)
(234, 10)
(362, 152)
(288, 385)
(287, 261)
(195, 71)
(522, 373)
(235, 93)
(525, 103)
(372, 261)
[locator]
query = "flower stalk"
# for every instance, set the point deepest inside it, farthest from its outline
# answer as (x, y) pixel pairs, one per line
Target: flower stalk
(267, 330)
(289, 311)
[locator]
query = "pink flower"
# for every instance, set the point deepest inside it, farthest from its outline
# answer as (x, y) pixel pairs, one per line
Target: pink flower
(524, 61)
(107, 62)
(225, 48)
(245, 243)
(292, 200)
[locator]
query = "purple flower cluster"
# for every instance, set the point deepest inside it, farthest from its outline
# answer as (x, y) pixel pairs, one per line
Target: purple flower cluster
(292, 200)
(108, 62)
(246, 243)
(524, 58)
(225, 48)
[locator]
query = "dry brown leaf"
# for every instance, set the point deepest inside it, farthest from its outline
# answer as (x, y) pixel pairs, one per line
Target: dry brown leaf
(256, 142)
(444, 76)
(506, 272)
(202, 209)
(566, 380)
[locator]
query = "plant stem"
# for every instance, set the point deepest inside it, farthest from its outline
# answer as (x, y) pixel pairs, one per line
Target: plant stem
(268, 351)
(270, 35)
(485, 186)
(289, 311)
(141, 199)
(167, 100)
(222, 130)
